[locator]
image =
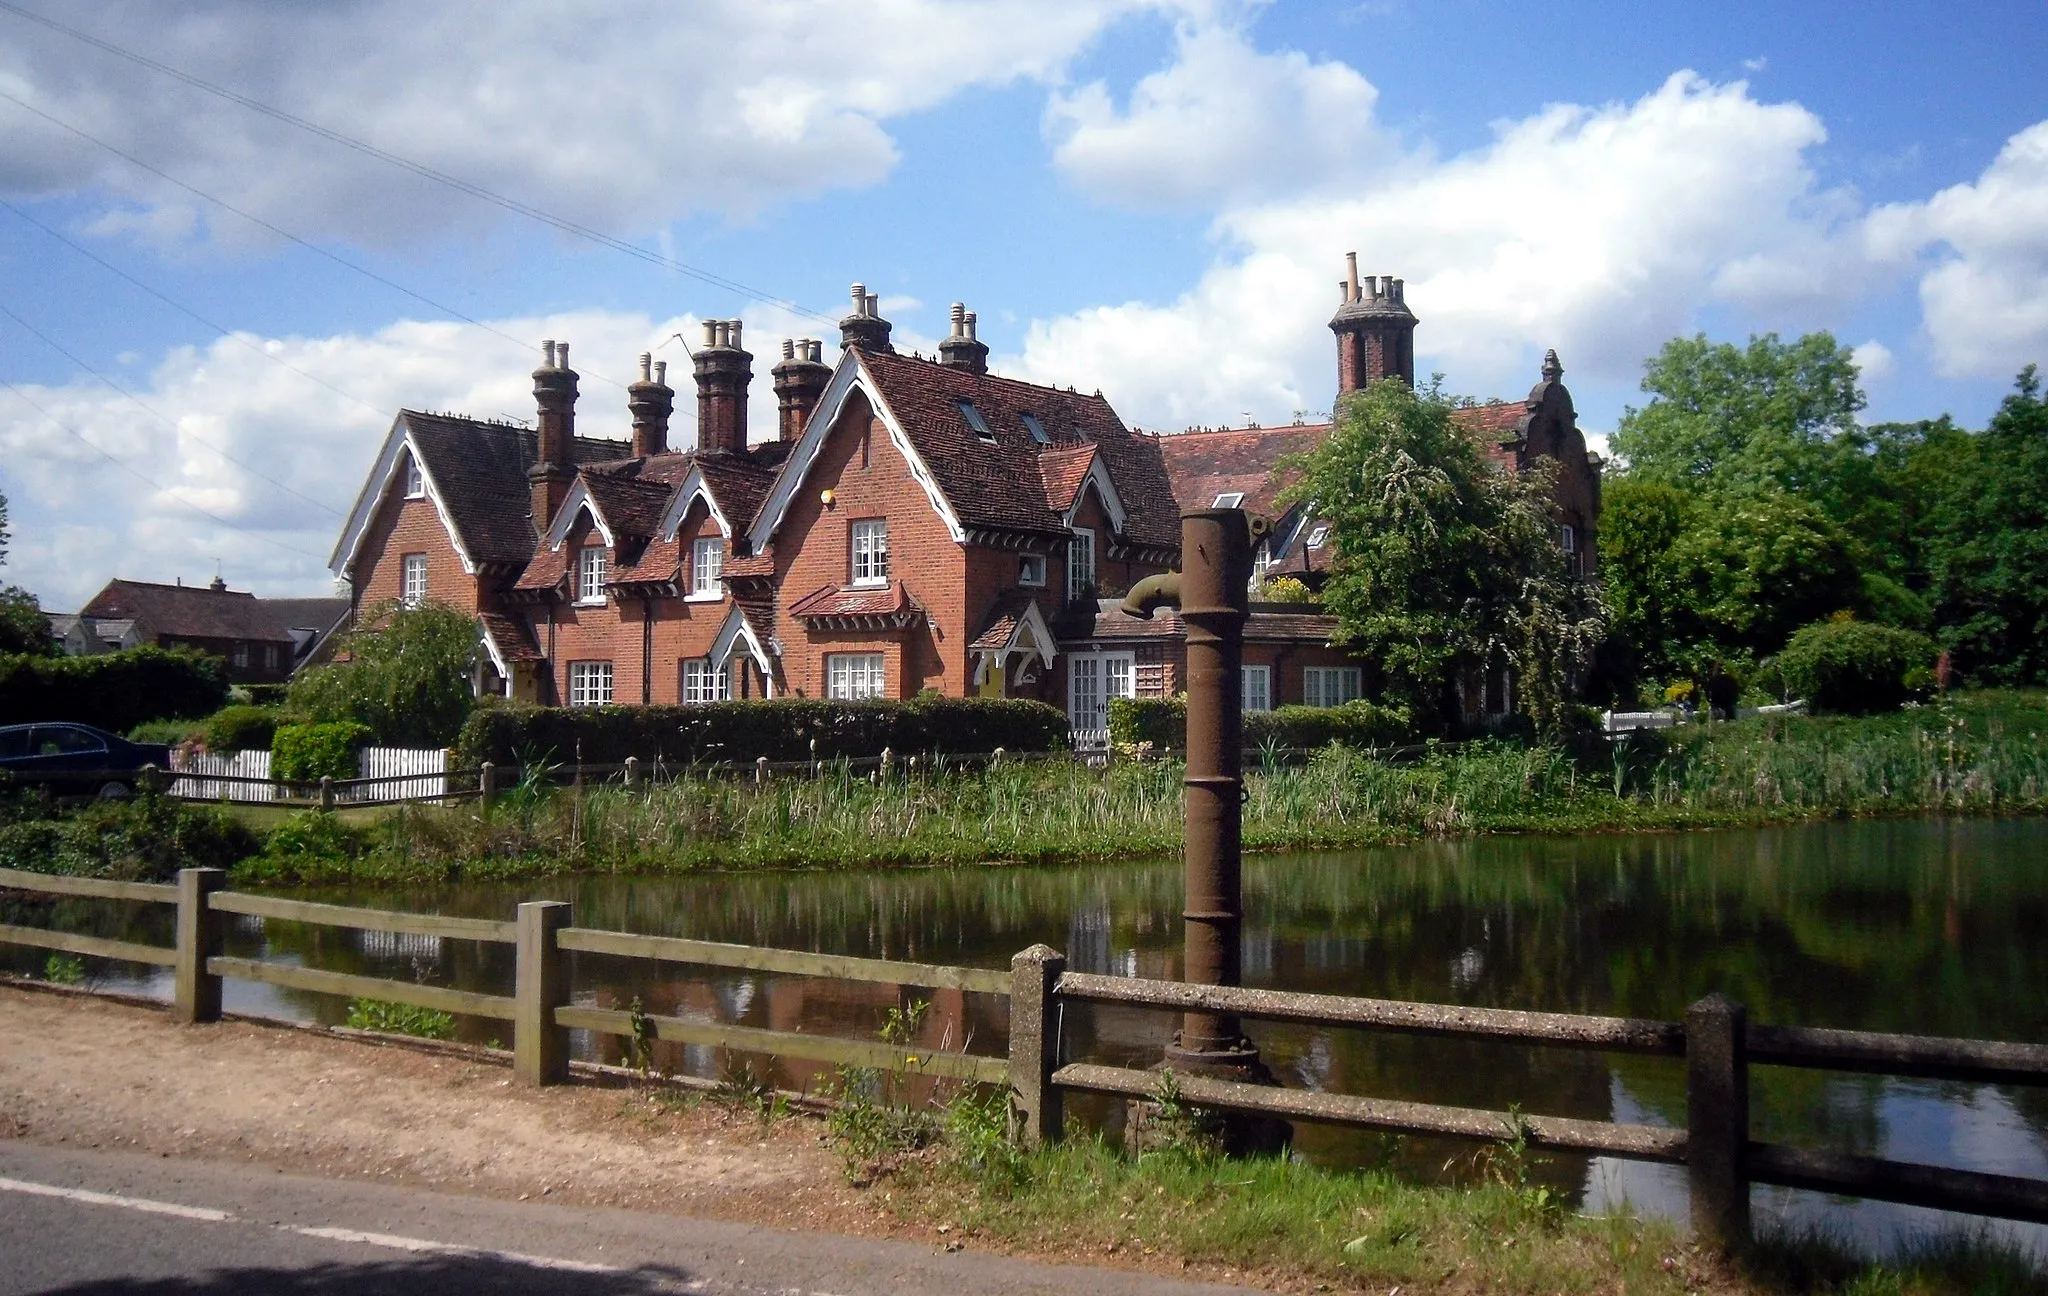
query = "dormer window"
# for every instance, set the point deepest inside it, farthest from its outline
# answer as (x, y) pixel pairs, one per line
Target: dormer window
(1080, 564)
(1319, 535)
(590, 574)
(1229, 499)
(707, 566)
(1036, 429)
(415, 480)
(976, 421)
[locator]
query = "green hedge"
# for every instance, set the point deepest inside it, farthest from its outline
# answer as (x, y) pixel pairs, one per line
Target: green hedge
(308, 752)
(1854, 667)
(242, 728)
(1163, 722)
(782, 729)
(115, 691)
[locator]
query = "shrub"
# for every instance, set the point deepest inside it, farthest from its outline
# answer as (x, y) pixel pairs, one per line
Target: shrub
(310, 843)
(1854, 667)
(406, 676)
(168, 732)
(114, 691)
(147, 839)
(241, 728)
(306, 753)
(781, 729)
(262, 695)
(400, 1019)
(1163, 722)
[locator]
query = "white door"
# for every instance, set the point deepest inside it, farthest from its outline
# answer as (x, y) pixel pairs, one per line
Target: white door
(1093, 679)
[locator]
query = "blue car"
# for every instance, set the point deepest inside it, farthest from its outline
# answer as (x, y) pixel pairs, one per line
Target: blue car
(76, 759)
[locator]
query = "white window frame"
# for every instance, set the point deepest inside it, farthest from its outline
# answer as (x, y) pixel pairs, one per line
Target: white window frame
(1258, 688)
(704, 682)
(1318, 535)
(1080, 576)
(1327, 686)
(270, 656)
(1569, 538)
(868, 544)
(852, 677)
(591, 570)
(1228, 499)
(240, 655)
(1031, 570)
(1092, 680)
(412, 579)
(590, 683)
(707, 566)
(415, 478)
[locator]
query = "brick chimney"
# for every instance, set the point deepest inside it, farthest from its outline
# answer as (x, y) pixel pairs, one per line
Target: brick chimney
(961, 350)
(800, 380)
(554, 464)
(651, 401)
(865, 328)
(724, 371)
(1375, 330)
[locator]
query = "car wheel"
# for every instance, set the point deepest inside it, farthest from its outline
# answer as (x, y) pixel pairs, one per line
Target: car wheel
(115, 791)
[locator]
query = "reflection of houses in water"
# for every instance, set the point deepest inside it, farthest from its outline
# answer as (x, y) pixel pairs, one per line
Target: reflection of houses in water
(410, 946)
(1088, 939)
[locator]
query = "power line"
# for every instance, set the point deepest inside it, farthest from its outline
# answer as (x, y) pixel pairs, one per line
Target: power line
(149, 481)
(160, 416)
(562, 223)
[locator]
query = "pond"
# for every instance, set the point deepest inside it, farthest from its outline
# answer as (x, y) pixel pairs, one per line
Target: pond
(1924, 926)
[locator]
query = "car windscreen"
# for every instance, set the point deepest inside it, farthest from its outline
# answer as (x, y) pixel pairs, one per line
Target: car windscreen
(63, 740)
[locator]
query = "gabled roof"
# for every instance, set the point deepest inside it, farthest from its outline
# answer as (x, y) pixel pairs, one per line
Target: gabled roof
(1013, 620)
(1268, 623)
(836, 602)
(188, 612)
(1204, 465)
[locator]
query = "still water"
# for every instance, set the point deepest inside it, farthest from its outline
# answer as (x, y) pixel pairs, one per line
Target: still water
(1925, 926)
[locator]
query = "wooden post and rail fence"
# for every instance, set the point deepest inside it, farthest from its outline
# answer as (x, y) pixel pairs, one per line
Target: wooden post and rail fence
(1716, 1042)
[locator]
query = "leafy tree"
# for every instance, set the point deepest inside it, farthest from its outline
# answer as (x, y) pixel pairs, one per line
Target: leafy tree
(23, 627)
(1756, 568)
(3, 530)
(1987, 551)
(1640, 522)
(1442, 566)
(406, 676)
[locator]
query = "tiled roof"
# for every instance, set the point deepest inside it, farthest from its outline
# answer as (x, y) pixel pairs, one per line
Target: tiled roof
(1003, 619)
(855, 601)
(1063, 470)
(740, 482)
(999, 485)
(318, 614)
(1204, 465)
(1497, 416)
(630, 505)
(479, 470)
(751, 565)
(1108, 620)
(1269, 622)
(189, 612)
(512, 636)
(757, 608)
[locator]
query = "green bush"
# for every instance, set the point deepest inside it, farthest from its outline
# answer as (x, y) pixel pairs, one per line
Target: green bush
(262, 695)
(241, 728)
(1854, 667)
(781, 729)
(406, 673)
(146, 839)
(1163, 722)
(400, 1019)
(168, 732)
(115, 691)
(306, 753)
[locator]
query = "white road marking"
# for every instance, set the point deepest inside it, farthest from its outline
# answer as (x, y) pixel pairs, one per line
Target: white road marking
(110, 1199)
(396, 1243)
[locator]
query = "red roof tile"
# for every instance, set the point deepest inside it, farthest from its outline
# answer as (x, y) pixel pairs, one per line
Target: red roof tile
(856, 601)
(188, 612)
(1204, 465)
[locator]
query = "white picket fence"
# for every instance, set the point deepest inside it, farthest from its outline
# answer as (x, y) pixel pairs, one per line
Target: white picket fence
(234, 764)
(421, 774)
(1616, 722)
(390, 762)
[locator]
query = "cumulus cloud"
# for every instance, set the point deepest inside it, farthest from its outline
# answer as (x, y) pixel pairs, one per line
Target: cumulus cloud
(1874, 362)
(622, 117)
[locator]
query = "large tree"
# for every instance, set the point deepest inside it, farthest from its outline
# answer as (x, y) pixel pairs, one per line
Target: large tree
(23, 627)
(407, 675)
(1443, 566)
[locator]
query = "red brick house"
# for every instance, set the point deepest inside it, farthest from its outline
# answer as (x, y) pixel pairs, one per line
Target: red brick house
(251, 635)
(918, 524)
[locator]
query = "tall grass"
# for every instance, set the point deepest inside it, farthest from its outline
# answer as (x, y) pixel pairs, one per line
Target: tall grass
(1984, 755)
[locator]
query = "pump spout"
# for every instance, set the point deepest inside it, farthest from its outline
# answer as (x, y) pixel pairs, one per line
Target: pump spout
(1151, 594)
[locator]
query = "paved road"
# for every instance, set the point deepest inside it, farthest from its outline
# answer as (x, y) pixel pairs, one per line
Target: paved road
(120, 1224)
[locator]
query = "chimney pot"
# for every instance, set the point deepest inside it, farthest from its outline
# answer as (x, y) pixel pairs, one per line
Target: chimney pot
(959, 317)
(646, 366)
(789, 348)
(1351, 275)
(1399, 289)
(860, 299)
(661, 373)
(874, 306)
(736, 335)
(970, 326)
(548, 350)
(561, 355)
(710, 333)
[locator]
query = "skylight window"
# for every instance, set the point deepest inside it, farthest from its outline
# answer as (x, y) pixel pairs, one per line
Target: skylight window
(1229, 499)
(1319, 535)
(1036, 429)
(976, 421)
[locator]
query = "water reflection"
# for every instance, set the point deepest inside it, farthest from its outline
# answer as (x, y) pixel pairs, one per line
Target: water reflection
(1922, 926)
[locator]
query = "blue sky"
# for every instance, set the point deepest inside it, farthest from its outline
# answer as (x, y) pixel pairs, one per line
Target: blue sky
(1149, 198)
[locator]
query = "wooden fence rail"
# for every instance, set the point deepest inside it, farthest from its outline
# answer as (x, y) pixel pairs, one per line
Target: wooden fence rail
(1715, 1040)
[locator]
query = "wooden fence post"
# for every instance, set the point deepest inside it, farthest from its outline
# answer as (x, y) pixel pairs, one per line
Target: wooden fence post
(1038, 1114)
(540, 1048)
(761, 770)
(199, 938)
(487, 782)
(327, 792)
(1717, 1121)
(633, 773)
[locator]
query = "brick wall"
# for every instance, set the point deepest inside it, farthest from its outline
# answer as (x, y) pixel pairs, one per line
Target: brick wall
(403, 526)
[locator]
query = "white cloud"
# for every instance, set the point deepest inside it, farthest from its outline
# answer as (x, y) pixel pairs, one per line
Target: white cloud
(1874, 362)
(622, 117)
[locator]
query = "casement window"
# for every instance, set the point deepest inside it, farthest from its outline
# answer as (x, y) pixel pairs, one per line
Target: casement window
(1328, 686)
(1092, 680)
(1031, 570)
(415, 479)
(871, 552)
(1258, 688)
(412, 590)
(1569, 538)
(851, 676)
(704, 682)
(707, 564)
(590, 573)
(240, 656)
(1080, 563)
(270, 657)
(590, 683)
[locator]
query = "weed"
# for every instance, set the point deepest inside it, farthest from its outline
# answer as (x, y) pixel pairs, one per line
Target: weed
(64, 969)
(639, 1039)
(977, 1131)
(872, 1134)
(400, 1019)
(745, 1089)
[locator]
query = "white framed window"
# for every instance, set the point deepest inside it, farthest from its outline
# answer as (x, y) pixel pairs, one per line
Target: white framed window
(269, 656)
(413, 584)
(1080, 563)
(1092, 680)
(590, 683)
(590, 573)
(241, 656)
(415, 479)
(1258, 688)
(871, 552)
(707, 564)
(704, 682)
(1569, 538)
(1229, 499)
(1031, 569)
(1328, 686)
(1319, 535)
(851, 676)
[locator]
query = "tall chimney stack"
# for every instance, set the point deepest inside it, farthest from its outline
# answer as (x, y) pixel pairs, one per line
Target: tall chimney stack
(962, 350)
(865, 328)
(554, 464)
(1375, 331)
(800, 380)
(650, 401)
(724, 372)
